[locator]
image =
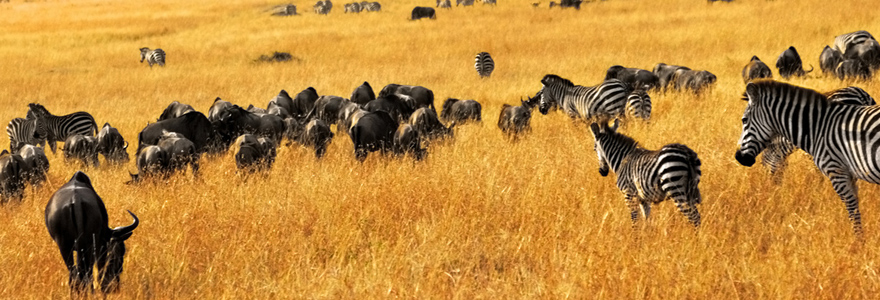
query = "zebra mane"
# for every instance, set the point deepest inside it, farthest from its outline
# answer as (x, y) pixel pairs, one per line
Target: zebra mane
(764, 85)
(552, 78)
(37, 109)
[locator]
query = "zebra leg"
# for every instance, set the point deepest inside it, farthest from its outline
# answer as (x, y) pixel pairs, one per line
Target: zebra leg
(689, 209)
(846, 188)
(633, 203)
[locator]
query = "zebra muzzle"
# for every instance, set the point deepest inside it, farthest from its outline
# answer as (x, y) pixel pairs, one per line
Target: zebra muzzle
(744, 159)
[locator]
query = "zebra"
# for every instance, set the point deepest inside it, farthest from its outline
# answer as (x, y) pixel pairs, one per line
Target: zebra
(21, 132)
(648, 177)
(841, 138)
(493, 2)
(323, 7)
(844, 41)
(54, 128)
(777, 152)
(484, 64)
(371, 6)
(156, 56)
(464, 2)
(444, 4)
(638, 105)
(607, 99)
(353, 7)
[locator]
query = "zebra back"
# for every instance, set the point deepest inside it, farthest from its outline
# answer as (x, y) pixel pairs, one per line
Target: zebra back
(844, 41)
(851, 95)
(484, 64)
(607, 99)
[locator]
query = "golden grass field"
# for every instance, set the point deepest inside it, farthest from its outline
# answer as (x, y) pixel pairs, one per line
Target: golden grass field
(482, 217)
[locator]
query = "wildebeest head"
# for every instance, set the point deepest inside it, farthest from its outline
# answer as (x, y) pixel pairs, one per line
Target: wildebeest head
(867, 51)
(116, 255)
(111, 144)
(603, 134)
(553, 85)
(151, 161)
(447, 108)
(82, 148)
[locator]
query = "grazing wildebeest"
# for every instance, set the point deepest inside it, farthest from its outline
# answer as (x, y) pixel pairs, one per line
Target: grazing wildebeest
(515, 120)
(853, 68)
(82, 148)
(152, 161)
(571, 3)
(634, 77)
(174, 110)
(256, 110)
(270, 151)
(867, 51)
(423, 12)
(693, 80)
(77, 221)
(407, 141)
(181, 152)
(397, 106)
(193, 125)
(756, 69)
(282, 100)
(303, 103)
(363, 94)
(789, 64)
(36, 164)
(327, 108)
(421, 96)
(315, 134)
(217, 108)
(253, 155)
(829, 59)
(665, 73)
(12, 176)
(373, 132)
(428, 125)
(111, 145)
(348, 117)
(275, 109)
(235, 121)
(458, 111)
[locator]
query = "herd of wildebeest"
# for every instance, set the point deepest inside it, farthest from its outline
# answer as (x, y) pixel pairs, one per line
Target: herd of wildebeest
(399, 121)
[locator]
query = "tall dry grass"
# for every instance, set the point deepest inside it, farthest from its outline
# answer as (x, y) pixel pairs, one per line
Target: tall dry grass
(482, 217)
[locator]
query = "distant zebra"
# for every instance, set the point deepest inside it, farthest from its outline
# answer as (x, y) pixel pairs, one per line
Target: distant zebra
(54, 128)
(153, 57)
(323, 7)
(648, 177)
(371, 6)
(776, 154)
(444, 4)
(489, 2)
(638, 105)
(608, 99)
(484, 64)
(842, 139)
(21, 132)
(354, 7)
(844, 41)
(464, 2)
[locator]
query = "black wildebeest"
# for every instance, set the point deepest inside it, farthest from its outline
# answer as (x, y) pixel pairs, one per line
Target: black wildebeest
(253, 155)
(235, 121)
(515, 120)
(420, 12)
(181, 152)
(853, 68)
(257, 110)
(789, 64)
(111, 145)
(363, 94)
(397, 106)
(77, 221)
(152, 162)
(458, 111)
(327, 108)
(756, 69)
(174, 110)
(82, 148)
(421, 96)
(428, 125)
(36, 164)
(217, 108)
(665, 74)
(314, 134)
(303, 103)
(276, 109)
(348, 116)
(12, 176)
(407, 141)
(696, 81)
(193, 125)
(829, 59)
(634, 77)
(373, 132)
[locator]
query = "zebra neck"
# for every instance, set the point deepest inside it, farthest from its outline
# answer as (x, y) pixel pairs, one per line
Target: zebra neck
(618, 149)
(804, 125)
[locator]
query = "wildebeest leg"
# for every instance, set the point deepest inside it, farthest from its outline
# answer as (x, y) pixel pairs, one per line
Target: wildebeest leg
(67, 256)
(83, 271)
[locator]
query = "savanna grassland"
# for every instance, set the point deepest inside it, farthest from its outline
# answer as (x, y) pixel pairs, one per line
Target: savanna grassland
(482, 217)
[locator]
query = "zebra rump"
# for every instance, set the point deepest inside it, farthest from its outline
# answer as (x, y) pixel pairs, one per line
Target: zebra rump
(21, 132)
(484, 64)
(153, 57)
(638, 105)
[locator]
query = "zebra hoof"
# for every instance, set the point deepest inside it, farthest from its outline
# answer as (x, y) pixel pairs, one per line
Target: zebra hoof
(745, 160)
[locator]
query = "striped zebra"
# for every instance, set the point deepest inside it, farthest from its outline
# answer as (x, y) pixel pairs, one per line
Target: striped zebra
(54, 128)
(484, 64)
(464, 2)
(371, 6)
(21, 132)
(353, 7)
(444, 4)
(638, 105)
(841, 138)
(493, 2)
(607, 99)
(323, 7)
(648, 177)
(844, 41)
(776, 154)
(153, 57)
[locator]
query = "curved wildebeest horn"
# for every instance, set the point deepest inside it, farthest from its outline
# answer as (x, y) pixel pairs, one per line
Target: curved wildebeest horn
(811, 69)
(123, 232)
(126, 146)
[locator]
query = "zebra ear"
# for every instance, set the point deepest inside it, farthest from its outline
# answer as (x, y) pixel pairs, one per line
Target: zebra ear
(615, 125)
(594, 128)
(751, 92)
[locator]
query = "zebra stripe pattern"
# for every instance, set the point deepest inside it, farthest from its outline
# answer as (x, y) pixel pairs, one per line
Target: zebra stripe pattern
(21, 132)
(844, 41)
(371, 6)
(54, 128)
(776, 155)
(607, 99)
(323, 7)
(638, 105)
(153, 57)
(484, 64)
(647, 177)
(842, 138)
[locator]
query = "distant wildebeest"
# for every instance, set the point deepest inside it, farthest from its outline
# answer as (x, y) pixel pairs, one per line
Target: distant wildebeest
(77, 221)
(81, 148)
(515, 120)
(54, 128)
(152, 162)
(181, 152)
(492, 2)
(363, 94)
(373, 132)
(153, 57)
(421, 96)
(284, 102)
(12, 176)
(36, 164)
(694, 80)
(398, 106)
(867, 51)
(314, 134)
(634, 77)
(444, 4)
(193, 125)
(235, 121)
(464, 2)
(853, 68)
(428, 125)
(420, 12)
(571, 3)
(789, 64)
(111, 145)
(327, 108)
(665, 73)
(458, 111)
(408, 141)
(756, 69)
(552, 4)
(348, 117)
(284, 10)
(484, 64)
(174, 110)
(253, 155)
(829, 59)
